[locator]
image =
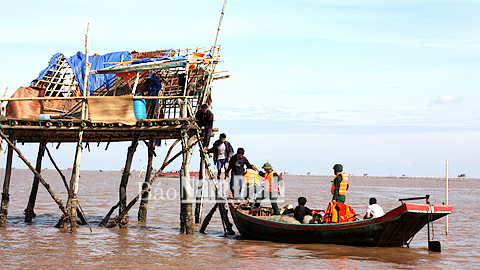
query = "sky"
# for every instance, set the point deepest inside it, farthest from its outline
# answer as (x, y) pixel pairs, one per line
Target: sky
(383, 87)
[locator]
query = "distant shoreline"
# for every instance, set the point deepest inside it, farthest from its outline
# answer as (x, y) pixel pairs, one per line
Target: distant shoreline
(392, 177)
(311, 175)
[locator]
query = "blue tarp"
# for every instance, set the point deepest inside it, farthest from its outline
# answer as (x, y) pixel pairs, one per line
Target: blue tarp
(77, 63)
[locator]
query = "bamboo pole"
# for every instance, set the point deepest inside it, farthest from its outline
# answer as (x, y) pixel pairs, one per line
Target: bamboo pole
(6, 185)
(29, 211)
(40, 178)
(186, 220)
(199, 197)
(142, 211)
(446, 194)
(219, 24)
(73, 191)
(86, 92)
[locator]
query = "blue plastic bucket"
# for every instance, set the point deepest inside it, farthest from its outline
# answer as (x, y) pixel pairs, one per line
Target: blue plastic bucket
(140, 108)
(44, 116)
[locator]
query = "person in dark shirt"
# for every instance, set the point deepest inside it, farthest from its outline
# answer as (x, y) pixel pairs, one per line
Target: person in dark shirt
(205, 122)
(237, 166)
(301, 211)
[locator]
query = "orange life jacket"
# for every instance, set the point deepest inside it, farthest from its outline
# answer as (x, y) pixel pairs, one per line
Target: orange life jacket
(338, 213)
(252, 178)
(271, 185)
(343, 185)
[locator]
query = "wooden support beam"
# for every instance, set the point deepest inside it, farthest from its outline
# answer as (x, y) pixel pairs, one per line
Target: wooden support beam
(199, 195)
(6, 185)
(186, 220)
(207, 219)
(40, 178)
(142, 211)
(29, 213)
(72, 202)
(124, 181)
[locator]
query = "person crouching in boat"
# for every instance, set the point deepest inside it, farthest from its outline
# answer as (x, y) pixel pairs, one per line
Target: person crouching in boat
(339, 185)
(302, 213)
(374, 210)
(237, 165)
(271, 188)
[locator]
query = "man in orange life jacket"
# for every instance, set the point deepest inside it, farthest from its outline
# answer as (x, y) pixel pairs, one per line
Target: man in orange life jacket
(271, 188)
(340, 184)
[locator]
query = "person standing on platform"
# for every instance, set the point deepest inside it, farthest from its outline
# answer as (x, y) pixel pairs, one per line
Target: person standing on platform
(271, 189)
(193, 86)
(205, 121)
(339, 184)
(222, 152)
(237, 165)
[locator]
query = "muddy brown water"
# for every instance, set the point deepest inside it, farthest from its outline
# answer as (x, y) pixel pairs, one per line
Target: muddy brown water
(158, 244)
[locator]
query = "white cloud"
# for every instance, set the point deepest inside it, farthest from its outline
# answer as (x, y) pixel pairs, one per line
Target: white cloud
(446, 99)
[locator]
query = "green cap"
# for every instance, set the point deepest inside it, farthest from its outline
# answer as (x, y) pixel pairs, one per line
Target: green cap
(338, 167)
(267, 166)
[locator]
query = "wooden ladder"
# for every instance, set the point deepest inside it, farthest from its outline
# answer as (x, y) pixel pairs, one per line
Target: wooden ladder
(220, 200)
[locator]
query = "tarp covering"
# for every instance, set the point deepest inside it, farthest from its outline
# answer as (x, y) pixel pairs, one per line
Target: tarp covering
(109, 109)
(77, 63)
(25, 108)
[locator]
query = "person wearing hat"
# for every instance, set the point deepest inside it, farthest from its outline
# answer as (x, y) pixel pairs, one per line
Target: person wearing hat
(271, 188)
(339, 184)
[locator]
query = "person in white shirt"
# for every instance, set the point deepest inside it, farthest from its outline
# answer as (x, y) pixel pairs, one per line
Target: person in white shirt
(374, 210)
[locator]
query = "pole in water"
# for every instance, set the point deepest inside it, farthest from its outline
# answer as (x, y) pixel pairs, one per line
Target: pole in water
(446, 196)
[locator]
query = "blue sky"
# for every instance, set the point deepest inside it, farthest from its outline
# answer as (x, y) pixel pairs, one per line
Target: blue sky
(383, 87)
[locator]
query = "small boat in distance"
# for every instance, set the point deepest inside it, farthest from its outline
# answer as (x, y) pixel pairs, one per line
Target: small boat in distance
(396, 228)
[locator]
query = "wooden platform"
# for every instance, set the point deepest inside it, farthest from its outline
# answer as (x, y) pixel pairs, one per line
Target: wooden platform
(30, 130)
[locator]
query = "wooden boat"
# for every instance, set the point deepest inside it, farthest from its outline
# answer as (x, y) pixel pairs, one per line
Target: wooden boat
(396, 228)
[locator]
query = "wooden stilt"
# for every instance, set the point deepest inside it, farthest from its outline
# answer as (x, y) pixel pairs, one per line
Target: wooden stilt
(123, 184)
(207, 219)
(72, 202)
(29, 213)
(186, 220)
(6, 186)
(199, 197)
(142, 211)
